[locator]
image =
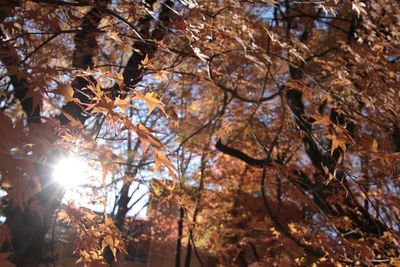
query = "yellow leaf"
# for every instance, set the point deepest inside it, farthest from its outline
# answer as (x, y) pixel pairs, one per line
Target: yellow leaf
(123, 103)
(299, 261)
(151, 101)
(108, 221)
(275, 232)
(145, 60)
(292, 228)
(392, 74)
(374, 146)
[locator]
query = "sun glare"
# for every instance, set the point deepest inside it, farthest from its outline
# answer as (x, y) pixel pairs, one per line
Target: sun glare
(70, 172)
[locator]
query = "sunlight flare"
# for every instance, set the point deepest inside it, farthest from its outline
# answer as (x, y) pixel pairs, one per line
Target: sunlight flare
(70, 172)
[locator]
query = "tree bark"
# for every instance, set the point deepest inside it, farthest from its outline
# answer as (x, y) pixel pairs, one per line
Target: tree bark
(178, 251)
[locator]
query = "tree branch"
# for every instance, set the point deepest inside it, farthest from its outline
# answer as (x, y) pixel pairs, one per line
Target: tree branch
(85, 47)
(10, 59)
(242, 156)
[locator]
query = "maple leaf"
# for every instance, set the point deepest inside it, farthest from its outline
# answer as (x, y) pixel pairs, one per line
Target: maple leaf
(358, 71)
(123, 103)
(107, 161)
(151, 101)
(74, 122)
(292, 228)
(66, 91)
(336, 142)
(104, 105)
(359, 7)
(162, 160)
(324, 120)
(146, 137)
(146, 63)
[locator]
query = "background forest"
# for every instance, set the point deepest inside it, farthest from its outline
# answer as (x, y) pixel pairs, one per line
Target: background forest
(272, 126)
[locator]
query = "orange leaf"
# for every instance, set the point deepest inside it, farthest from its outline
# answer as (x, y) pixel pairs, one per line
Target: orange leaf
(374, 146)
(162, 160)
(66, 91)
(321, 120)
(336, 143)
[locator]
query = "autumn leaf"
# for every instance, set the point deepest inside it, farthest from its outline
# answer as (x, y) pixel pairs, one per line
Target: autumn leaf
(162, 160)
(323, 120)
(277, 81)
(146, 63)
(275, 232)
(336, 142)
(331, 177)
(107, 161)
(66, 91)
(374, 146)
(123, 103)
(74, 122)
(109, 242)
(146, 137)
(359, 7)
(162, 75)
(151, 101)
(6, 123)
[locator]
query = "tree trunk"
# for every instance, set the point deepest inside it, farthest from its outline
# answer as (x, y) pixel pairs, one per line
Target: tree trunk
(179, 239)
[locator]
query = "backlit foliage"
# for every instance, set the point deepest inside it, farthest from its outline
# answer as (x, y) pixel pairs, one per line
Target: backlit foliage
(267, 133)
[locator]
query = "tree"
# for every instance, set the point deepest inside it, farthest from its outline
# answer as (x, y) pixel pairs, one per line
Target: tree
(280, 115)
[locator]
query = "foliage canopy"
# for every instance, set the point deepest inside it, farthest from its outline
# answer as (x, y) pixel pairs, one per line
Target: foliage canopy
(273, 126)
